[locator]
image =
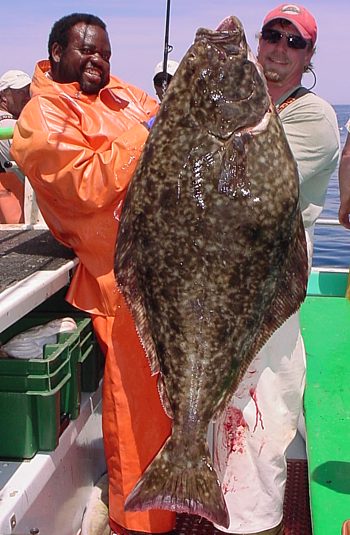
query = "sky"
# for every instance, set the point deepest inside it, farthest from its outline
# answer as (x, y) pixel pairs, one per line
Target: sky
(136, 30)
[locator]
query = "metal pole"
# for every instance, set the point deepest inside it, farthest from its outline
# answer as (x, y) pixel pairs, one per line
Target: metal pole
(166, 38)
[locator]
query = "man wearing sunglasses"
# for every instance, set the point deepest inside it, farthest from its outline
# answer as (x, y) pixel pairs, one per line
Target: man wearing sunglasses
(251, 438)
(286, 46)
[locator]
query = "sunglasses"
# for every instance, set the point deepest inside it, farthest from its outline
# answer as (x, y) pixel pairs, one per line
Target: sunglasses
(274, 36)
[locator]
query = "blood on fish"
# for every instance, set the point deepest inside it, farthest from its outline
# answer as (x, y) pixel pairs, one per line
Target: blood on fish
(234, 426)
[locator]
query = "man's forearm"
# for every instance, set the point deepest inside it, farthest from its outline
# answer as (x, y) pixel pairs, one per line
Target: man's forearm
(344, 185)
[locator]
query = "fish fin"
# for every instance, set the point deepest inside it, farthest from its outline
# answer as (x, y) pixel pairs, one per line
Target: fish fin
(142, 328)
(290, 294)
(126, 276)
(135, 305)
(163, 395)
(194, 490)
(291, 290)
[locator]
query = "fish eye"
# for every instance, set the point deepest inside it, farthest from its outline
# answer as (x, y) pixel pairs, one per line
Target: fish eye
(191, 63)
(232, 50)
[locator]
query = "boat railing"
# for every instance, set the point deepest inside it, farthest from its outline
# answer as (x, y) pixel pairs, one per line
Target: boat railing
(333, 266)
(328, 221)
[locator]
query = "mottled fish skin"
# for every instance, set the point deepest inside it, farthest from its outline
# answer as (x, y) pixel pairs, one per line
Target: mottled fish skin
(211, 254)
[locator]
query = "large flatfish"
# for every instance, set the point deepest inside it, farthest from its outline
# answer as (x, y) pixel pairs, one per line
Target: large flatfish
(211, 254)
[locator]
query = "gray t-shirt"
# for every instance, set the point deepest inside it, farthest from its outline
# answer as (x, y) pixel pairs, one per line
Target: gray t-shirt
(311, 126)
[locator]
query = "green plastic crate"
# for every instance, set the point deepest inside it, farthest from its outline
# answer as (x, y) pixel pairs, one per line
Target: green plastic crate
(90, 363)
(73, 401)
(91, 356)
(38, 396)
(87, 359)
(32, 424)
(43, 375)
(30, 420)
(92, 359)
(17, 375)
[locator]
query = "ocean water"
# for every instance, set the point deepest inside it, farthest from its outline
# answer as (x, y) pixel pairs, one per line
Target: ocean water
(332, 244)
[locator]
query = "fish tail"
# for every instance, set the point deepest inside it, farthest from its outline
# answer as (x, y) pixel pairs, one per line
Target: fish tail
(192, 489)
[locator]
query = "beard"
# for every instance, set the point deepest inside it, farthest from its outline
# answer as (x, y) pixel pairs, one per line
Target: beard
(272, 76)
(92, 88)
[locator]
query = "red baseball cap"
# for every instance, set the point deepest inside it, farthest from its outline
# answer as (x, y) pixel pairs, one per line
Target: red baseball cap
(300, 17)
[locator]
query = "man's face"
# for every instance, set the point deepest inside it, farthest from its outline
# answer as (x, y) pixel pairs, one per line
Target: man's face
(281, 63)
(160, 91)
(161, 84)
(85, 59)
(16, 99)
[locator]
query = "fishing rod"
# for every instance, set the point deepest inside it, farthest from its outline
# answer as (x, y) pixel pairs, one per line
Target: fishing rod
(167, 48)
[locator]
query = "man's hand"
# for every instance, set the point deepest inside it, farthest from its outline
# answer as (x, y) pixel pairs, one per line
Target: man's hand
(344, 185)
(344, 214)
(148, 124)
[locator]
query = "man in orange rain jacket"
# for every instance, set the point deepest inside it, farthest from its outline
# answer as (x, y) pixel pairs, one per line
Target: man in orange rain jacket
(78, 141)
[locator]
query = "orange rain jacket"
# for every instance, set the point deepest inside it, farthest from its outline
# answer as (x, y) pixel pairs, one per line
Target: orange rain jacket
(79, 152)
(11, 198)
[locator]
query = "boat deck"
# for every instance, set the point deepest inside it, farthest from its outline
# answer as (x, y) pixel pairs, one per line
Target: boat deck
(24, 252)
(33, 267)
(325, 317)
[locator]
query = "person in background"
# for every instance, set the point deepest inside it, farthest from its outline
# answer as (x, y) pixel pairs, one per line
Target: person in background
(252, 436)
(79, 140)
(14, 94)
(161, 80)
(344, 182)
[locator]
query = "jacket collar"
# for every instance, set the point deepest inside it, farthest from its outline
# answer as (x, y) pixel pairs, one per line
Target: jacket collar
(42, 81)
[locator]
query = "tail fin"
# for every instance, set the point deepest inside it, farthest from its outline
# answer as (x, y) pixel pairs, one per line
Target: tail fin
(169, 484)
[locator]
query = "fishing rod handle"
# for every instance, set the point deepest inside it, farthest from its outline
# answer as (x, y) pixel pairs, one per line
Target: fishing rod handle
(6, 132)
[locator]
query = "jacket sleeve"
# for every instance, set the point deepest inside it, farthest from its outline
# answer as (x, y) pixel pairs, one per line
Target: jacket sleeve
(148, 103)
(62, 163)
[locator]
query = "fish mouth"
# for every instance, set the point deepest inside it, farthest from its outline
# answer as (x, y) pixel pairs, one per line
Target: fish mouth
(228, 36)
(230, 24)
